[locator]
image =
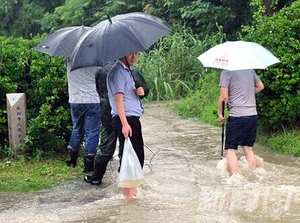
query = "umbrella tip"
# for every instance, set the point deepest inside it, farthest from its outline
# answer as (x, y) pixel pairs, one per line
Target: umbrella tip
(109, 19)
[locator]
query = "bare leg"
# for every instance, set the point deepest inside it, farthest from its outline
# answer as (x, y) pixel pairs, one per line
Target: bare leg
(250, 157)
(232, 162)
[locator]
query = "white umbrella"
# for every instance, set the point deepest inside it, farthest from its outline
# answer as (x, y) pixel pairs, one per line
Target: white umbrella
(238, 55)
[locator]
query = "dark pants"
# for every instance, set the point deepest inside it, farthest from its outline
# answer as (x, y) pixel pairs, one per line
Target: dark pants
(136, 138)
(108, 140)
(111, 129)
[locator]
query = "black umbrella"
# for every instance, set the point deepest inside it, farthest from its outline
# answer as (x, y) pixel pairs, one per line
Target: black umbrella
(116, 37)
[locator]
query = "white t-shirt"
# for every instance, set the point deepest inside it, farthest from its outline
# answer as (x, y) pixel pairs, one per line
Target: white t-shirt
(82, 86)
(241, 87)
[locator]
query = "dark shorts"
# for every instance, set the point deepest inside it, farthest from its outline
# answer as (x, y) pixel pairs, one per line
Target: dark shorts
(240, 131)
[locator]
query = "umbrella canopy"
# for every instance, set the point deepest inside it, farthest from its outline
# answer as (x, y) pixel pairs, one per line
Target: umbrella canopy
(238, 55)
(62, 42)
(116, 37)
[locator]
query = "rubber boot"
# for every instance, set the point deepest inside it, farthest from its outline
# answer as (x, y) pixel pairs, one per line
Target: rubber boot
(72, 161)
(88, 163)
(92, 179)
(99, 170)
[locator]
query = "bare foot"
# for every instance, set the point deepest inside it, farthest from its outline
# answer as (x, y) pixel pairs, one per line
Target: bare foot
(133, 191)
(129, 193)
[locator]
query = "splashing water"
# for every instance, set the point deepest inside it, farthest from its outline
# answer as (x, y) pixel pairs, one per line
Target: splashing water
(185, 182)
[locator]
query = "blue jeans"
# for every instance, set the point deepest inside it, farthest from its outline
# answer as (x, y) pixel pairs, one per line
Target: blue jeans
(86, 122)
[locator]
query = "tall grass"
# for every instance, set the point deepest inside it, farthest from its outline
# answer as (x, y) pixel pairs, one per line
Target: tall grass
(287, 141)
(203, 102)
(172, 69)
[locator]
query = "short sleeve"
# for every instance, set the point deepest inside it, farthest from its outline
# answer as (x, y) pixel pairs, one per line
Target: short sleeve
(116, 82)
(225, 79)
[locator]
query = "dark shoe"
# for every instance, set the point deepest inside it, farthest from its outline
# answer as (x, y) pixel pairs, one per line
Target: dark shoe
(92, 180)
(73, 158)
(88, 163)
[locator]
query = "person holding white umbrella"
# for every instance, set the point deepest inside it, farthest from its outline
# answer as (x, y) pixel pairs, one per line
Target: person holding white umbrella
(238, 86)
(237, 90)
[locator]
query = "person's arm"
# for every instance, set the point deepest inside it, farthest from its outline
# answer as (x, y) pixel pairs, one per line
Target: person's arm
(126, 129)
(116, 81)
(222, 98)
(259, 86)
(225, 79)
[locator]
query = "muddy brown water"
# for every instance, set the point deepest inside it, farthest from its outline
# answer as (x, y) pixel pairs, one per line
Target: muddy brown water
(182, 184)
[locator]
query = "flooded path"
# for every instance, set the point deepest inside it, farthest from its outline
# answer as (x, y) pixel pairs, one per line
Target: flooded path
(182, 184)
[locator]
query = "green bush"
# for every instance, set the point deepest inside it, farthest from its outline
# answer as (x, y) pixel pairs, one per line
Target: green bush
(279, 103)
(287, 142)
(43, 80)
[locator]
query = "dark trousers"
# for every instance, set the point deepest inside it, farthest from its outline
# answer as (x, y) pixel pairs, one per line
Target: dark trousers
(108, 139)
(111, 129)
(136, 138)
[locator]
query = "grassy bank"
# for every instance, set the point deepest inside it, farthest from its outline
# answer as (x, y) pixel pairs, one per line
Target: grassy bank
(286, 142)
(202, 104)
(31, 175)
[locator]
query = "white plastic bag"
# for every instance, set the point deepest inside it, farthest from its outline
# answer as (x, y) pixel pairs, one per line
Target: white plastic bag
(131, 173)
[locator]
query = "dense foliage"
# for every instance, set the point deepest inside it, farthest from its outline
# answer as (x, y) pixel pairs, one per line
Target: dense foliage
(170, 67)
(279, 103)
(29, 17)
(43, 80)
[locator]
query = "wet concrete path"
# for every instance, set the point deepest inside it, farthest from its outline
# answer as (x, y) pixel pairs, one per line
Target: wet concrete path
(182, 184)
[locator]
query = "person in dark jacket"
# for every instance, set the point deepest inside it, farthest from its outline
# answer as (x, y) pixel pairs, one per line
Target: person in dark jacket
(108, 137)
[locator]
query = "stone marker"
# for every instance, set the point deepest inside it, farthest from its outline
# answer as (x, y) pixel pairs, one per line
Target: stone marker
(16, 116)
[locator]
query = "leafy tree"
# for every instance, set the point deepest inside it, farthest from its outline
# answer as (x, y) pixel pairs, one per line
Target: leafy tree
(279, 103)
(20, 18)
(8, 13)
(205, 17)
